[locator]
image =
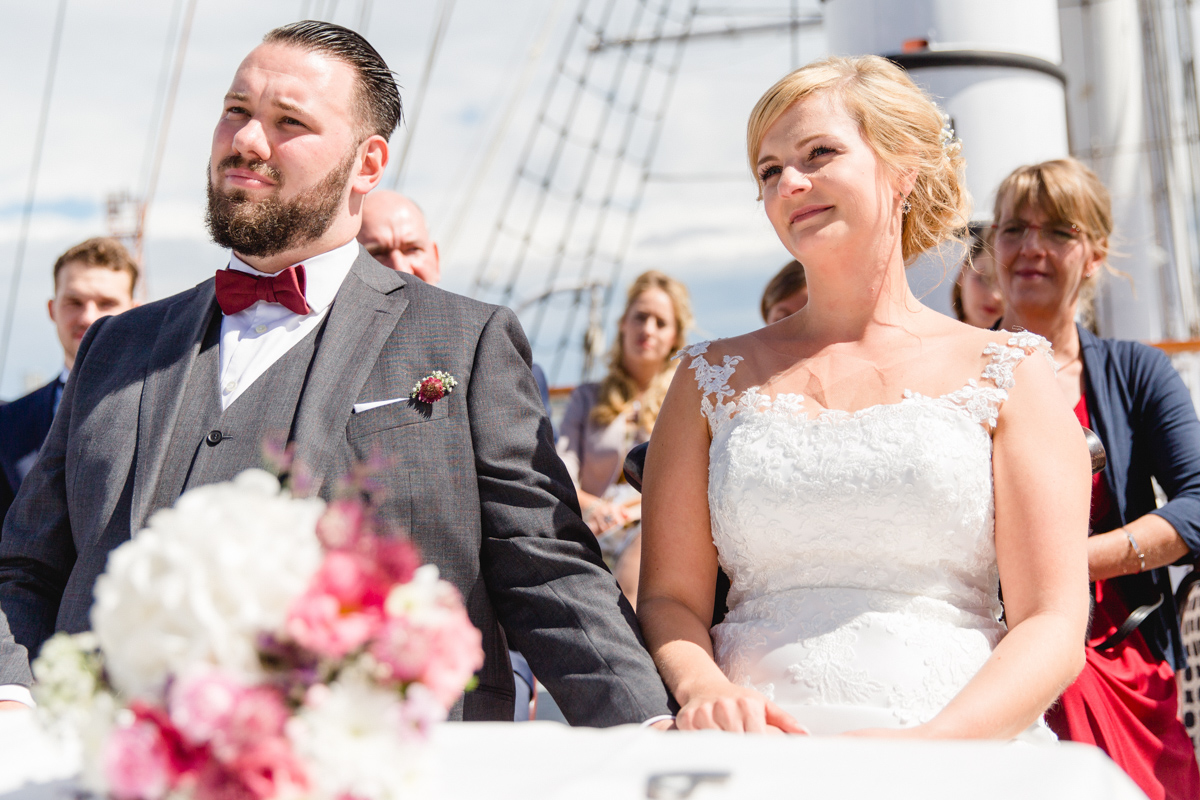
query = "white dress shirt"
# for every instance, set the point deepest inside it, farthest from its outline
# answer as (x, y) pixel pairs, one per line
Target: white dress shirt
(252, 340)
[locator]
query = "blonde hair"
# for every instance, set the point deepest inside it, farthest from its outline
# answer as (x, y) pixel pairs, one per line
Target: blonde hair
(618, 389)
(901, 124)
(1068, 193)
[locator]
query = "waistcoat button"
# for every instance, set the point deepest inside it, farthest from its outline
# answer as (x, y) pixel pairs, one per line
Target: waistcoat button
(214, 438)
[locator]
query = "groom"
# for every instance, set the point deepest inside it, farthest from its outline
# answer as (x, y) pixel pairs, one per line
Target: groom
(306, 337)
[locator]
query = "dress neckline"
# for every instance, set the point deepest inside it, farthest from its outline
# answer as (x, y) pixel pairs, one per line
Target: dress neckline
(981, 402)
(751, 399)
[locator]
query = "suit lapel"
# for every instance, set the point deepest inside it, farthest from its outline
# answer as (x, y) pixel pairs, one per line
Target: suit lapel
(364, 314)
(167, 372)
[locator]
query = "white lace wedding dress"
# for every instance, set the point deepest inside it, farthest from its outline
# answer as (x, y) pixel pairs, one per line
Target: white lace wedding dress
(859, 546)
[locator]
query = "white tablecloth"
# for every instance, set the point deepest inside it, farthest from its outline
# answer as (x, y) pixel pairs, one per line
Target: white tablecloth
(541, 760)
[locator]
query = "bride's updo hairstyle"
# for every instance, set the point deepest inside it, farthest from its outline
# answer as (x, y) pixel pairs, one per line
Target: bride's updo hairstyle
(899, 122)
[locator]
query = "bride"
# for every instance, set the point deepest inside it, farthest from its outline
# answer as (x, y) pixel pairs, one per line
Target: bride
(868, 472)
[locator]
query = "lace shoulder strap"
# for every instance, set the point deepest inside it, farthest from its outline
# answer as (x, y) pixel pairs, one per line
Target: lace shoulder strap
(983, 402)
(712, 380)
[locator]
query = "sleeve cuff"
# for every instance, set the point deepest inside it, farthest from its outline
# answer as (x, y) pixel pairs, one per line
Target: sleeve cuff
(14, 691)
(645, 724)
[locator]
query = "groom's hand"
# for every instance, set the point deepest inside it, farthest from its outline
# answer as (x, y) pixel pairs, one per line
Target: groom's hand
(12, 705)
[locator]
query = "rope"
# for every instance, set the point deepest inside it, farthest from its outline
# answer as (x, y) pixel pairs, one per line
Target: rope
(31, 191)
(164, 127)
(160, 94)
(445, 9)
(531, 61)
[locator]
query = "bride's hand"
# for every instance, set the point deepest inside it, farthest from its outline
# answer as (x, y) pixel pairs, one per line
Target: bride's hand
(737, 709)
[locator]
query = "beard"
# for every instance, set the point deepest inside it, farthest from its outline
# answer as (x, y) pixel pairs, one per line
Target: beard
(260, 228)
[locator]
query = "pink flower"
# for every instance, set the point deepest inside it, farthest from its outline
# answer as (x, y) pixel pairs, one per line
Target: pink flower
(440, 650)
(341, 524)
(342, 607)
(270, 769)
(351, 579)
(145, 759)
(433, 387)
(251, 757)
(137, 764)
(430, 390)
(398, 559)
(201, 704)
(259, 715)
(217, 781)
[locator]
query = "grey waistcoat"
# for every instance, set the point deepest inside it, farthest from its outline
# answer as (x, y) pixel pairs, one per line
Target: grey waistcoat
(209, 445)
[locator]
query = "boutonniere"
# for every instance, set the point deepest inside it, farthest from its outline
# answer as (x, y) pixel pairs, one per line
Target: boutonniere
(433, 388)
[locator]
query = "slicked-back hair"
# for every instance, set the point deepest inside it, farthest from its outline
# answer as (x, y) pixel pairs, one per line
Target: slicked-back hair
(378, 98)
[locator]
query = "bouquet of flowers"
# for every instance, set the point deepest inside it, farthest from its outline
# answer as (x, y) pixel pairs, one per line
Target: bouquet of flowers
(250, 645)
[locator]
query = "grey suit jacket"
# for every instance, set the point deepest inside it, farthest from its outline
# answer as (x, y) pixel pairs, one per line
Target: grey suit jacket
(473, 477)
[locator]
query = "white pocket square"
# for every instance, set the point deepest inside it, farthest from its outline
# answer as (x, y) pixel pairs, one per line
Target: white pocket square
(361, 407)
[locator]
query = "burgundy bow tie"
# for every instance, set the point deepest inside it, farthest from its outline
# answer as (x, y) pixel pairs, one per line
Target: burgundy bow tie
(237, 291)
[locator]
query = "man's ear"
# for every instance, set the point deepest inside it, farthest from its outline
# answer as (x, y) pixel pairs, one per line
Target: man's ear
(50, 309)
(372, 162)
(437, 265)
(1095, 261)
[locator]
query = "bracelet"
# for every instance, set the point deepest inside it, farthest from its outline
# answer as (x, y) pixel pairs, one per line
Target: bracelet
(657, 718)
(1141, 556)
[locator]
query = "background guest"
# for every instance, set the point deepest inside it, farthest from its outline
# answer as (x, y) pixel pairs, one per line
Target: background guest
(604, 420)
(395, 234)
(93, 279)
(975, 296)
(785, 294)
(1053, 222)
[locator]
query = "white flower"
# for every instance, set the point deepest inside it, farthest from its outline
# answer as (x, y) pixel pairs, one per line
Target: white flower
(203, 581)
(74, 708)
(352, 735)
(424, 599)
(67, 672)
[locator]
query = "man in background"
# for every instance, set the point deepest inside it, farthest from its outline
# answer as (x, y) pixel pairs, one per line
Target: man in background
(91, 280)
(395, 234)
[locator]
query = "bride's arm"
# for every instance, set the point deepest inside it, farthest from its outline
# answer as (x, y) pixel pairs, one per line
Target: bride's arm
(679, 573)
(1042, 483)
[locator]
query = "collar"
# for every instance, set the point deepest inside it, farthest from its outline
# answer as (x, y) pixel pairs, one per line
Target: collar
(323, 274)
(62, 376)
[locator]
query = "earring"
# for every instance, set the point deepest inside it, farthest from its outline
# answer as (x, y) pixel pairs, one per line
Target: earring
(907, 207)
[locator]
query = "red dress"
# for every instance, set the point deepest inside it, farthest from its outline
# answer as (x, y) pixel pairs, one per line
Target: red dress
(1125, 701)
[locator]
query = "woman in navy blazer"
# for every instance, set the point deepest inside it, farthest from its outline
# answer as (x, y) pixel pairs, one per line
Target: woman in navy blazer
(1051, 234)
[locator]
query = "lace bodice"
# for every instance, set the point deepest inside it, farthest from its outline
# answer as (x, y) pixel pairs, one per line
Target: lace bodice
(859, 545)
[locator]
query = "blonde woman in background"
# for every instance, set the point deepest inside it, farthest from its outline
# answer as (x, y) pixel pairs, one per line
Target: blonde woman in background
(866, 471)
(975, 296)
(604, 420)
